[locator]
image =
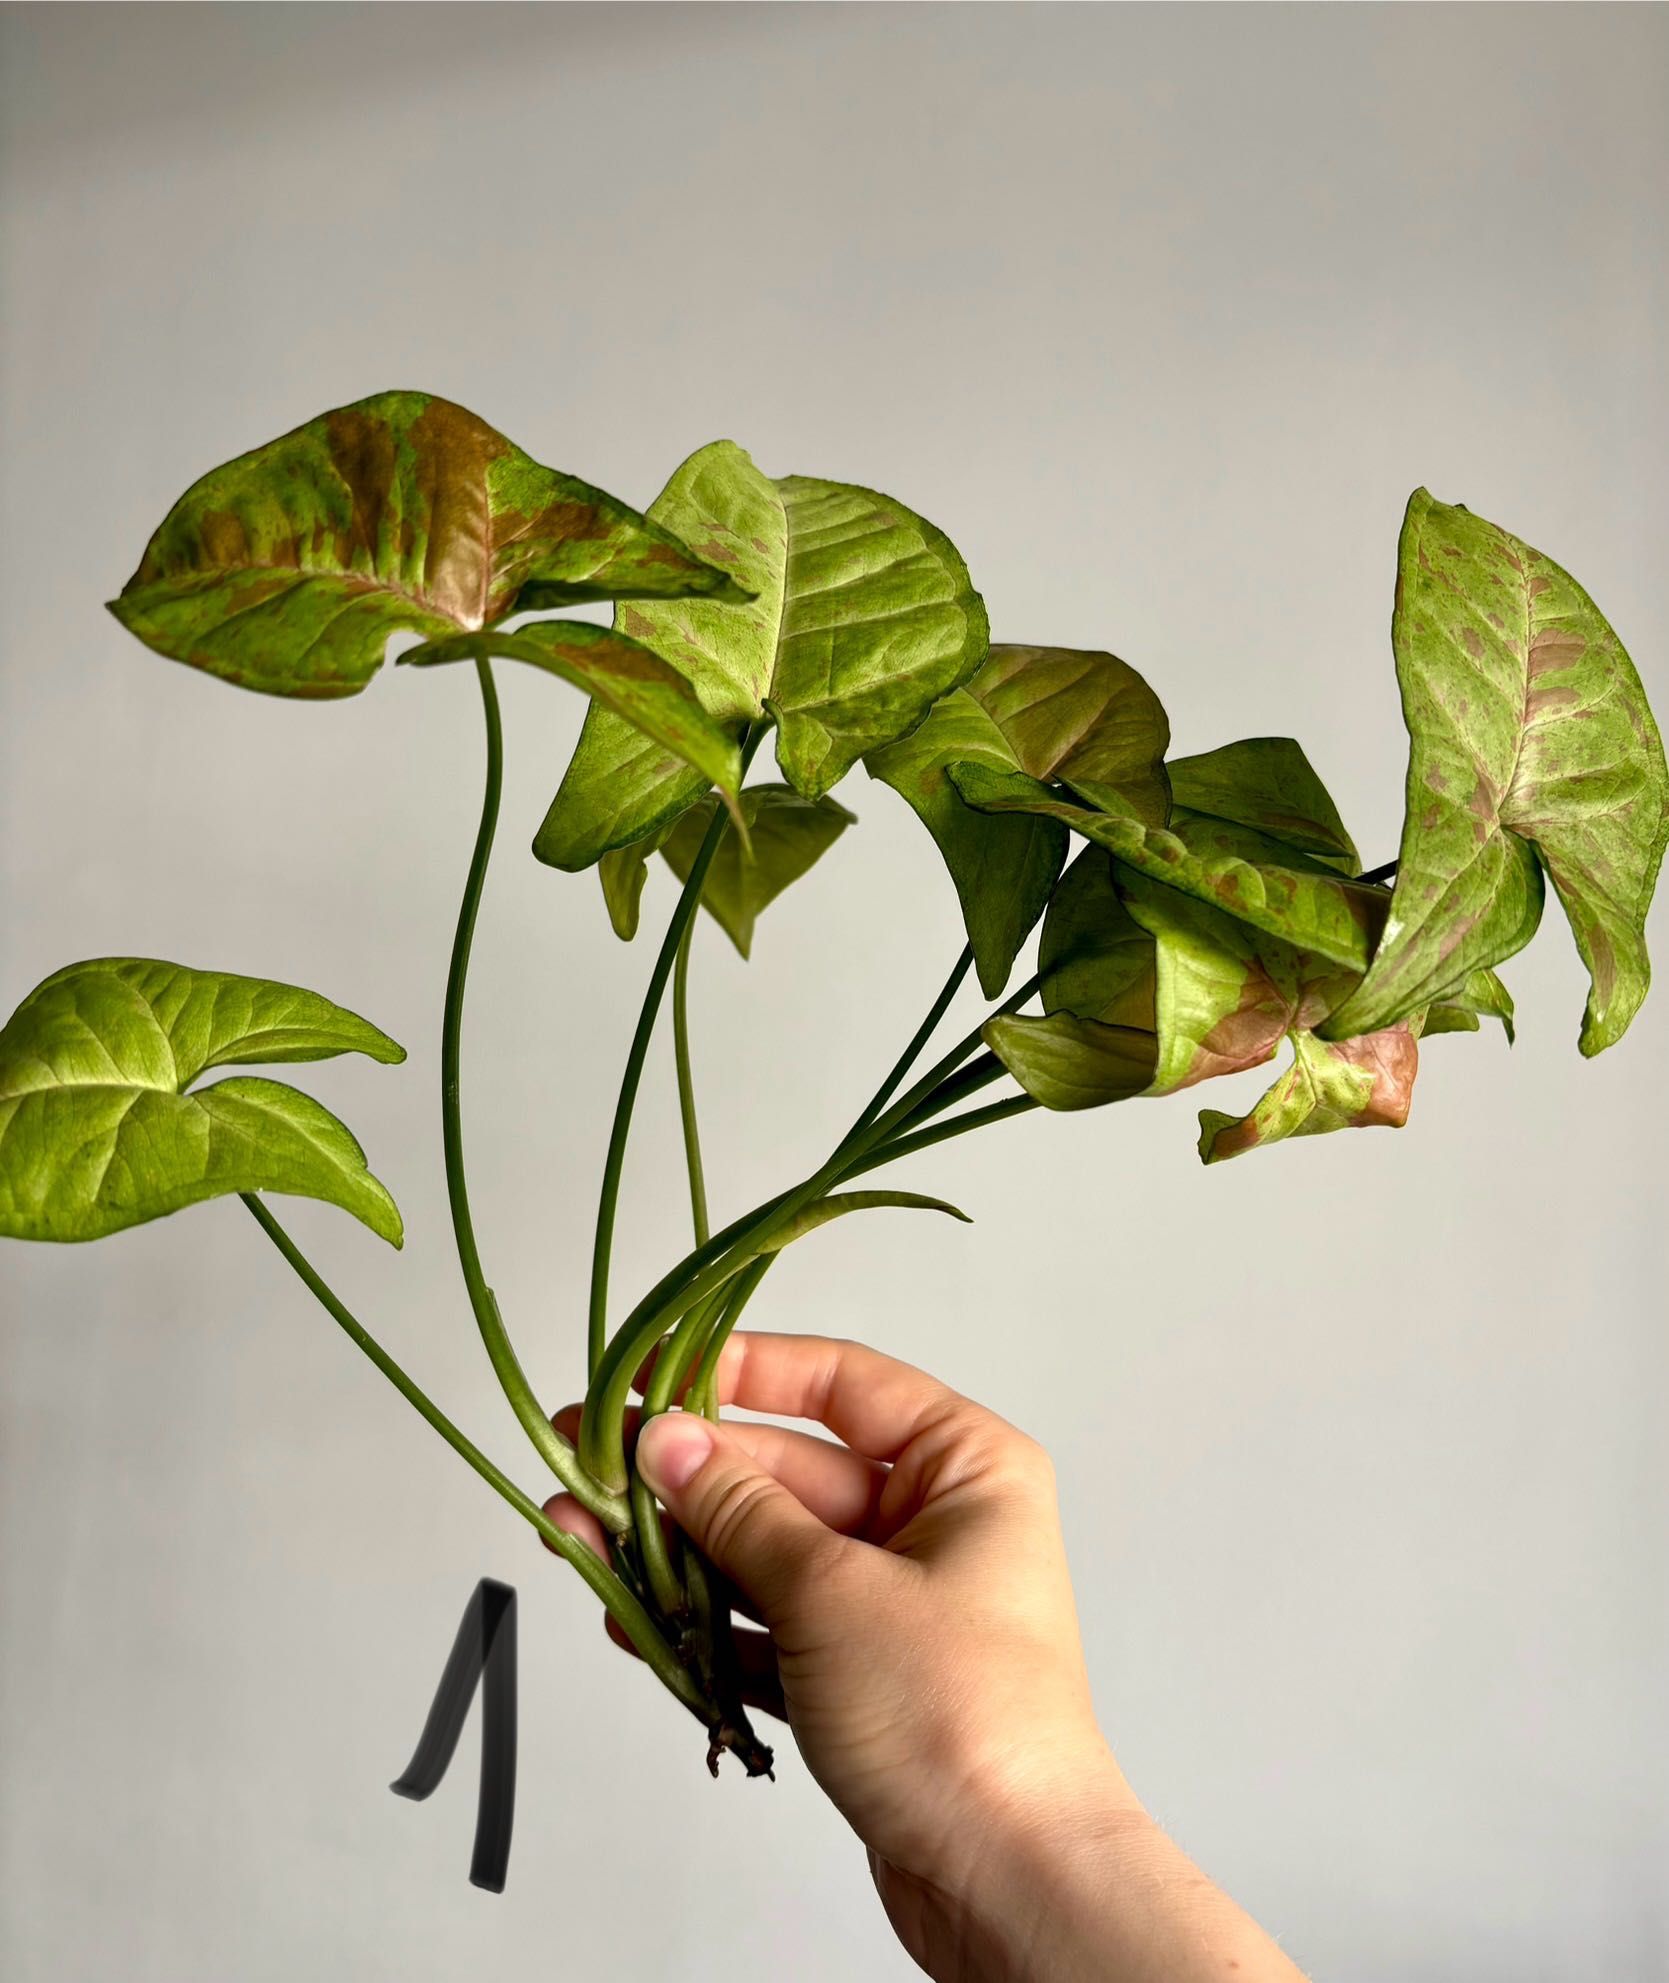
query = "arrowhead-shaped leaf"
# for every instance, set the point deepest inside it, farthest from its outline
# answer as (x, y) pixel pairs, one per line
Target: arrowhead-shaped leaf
(1084, 718)
(618, 673)
(288, 569)
(1531, 742)
(1266, 783)
(1272, 887)
(1360, 1083)
(787, 835)
(97, 1131)
(863, 614)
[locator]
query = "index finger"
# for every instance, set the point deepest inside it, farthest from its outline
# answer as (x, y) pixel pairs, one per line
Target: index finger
(874, 1403)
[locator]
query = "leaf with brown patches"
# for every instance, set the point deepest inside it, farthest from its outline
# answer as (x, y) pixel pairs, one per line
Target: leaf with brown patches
(1245, 874)
(618, 674)
(1269, 784)
(289, 569)
(1082, 717)
(1532, 747)
(1125, 957)
(786, 836)
(101, 1127)
(1361, 1083)
(862, 615)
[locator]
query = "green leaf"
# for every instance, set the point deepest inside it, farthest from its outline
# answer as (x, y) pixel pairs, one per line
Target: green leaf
(1362, 1083)
(1095, 960)
(288, 569)
(822, 1210)
(97, 1132)
(1069, 1063)
(788, 834)
(1086, 718)
(617, 673)
(1532, 747)
(1266, 783)
(1257, 880)
(1482, 994)
(863, 614)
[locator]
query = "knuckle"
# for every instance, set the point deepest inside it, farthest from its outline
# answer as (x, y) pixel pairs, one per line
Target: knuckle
(734, 1511)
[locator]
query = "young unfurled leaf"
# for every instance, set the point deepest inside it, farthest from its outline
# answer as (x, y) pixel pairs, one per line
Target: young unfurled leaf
(1362, 1083)
(863, 614)
(617, 673)
(288, 569)
(97, 1131)
(822, 1210)
(1266, 783)
(1483, 994)
(1084, 718)
(1272, 887)
(787, 835)
(1532, 746)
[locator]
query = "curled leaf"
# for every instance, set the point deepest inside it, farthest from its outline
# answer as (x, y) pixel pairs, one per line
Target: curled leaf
(1362, 1083)
(97, 1131)
(1532, 747)
(288, 569)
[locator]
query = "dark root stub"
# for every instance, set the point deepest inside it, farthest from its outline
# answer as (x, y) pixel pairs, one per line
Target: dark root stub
(738, 1737)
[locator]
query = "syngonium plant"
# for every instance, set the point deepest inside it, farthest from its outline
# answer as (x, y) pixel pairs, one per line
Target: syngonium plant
(1215, 907)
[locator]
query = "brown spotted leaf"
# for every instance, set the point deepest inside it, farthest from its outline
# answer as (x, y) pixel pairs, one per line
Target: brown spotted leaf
(288, 569)
(618, 674)
(1081, 717)
(1532, 747)
(1361, 1083)
(1273, 887)
(862, 614)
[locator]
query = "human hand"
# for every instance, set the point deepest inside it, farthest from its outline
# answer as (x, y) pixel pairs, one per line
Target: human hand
(921, 1639)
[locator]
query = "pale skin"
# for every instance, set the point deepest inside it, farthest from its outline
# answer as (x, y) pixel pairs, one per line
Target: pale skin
(918, 1633)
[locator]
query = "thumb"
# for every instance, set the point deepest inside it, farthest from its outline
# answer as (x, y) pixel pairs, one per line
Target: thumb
(741, 1518)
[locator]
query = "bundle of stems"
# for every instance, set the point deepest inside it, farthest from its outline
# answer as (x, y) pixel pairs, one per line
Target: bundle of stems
(669, 1603)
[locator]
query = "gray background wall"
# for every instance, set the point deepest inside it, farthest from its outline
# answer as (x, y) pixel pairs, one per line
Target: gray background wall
(1161, 314)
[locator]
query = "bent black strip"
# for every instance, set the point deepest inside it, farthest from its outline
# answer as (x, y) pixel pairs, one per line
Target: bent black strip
(484, 1650)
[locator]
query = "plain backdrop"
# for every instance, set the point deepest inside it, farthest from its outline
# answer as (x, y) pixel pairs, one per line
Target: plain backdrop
(1160, 314)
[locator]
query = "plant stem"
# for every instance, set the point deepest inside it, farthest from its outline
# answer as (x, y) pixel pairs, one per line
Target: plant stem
(639, 1627)
(923, 1033)
(1383, 872)
(908, 1145)
(703, 1394)
(677, 1353)
(602, 1440)
(613, 1163)
(535, 1421)
(686, 1085)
